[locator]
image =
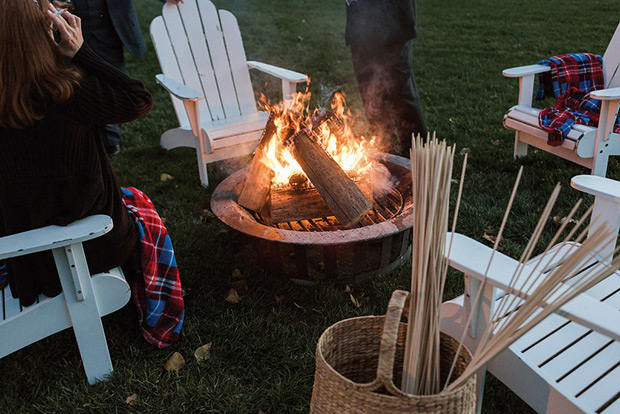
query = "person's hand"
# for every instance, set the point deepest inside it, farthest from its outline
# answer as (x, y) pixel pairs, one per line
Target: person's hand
(69, 27)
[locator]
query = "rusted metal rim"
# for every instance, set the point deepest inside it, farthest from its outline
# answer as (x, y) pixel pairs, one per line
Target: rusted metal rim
(225, 207)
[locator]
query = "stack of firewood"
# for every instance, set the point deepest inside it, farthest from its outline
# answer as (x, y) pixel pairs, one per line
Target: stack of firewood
(325, 189)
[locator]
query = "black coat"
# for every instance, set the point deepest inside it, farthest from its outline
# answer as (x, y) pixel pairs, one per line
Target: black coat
(380, 23)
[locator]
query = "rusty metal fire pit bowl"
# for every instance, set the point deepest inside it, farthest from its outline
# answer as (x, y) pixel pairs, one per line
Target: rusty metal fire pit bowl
(312, 251)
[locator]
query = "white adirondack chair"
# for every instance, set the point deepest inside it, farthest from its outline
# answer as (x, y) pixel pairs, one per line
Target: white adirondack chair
(568, 363)
(586, 146)
(201, 54)
(82, 303)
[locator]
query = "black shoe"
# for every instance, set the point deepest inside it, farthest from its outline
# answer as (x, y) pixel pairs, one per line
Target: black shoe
(113, 150)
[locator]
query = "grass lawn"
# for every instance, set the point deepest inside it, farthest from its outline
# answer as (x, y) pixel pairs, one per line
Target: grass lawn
(262, 355)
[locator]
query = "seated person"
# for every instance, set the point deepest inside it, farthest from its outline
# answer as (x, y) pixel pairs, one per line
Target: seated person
(53, 163)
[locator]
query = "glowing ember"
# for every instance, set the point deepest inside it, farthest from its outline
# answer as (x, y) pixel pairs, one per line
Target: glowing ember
(348, 150)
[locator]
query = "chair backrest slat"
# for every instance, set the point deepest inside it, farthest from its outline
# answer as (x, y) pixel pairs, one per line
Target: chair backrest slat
(168, 63)
(238, 63)
(611, 61)
(200, 59)
(178, 38)
(203, 49)
(226, 101)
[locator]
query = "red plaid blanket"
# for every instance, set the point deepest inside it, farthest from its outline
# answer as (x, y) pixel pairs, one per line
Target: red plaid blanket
(158, 294)
(571, 79)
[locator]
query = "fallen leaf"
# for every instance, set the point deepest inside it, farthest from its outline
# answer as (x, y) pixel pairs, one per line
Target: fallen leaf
(165, 177)
(465, 151)
(232, 296)
(495, 141)
(132, 399)
(301, 39)
(491, 238)
(516, 46)
(355, 300)
(279, 299)
(241, 286)
(347, 289)
(206, 215)
(202, 353)
(556, 220)
(175, 363)
(236, 274)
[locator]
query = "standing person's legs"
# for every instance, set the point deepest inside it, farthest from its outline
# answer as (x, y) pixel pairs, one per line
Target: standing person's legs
(374, 84)
(409, 117)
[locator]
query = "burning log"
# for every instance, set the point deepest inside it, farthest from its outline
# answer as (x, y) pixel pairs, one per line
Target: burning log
(256, 186)
(297, 200)
(345, 200)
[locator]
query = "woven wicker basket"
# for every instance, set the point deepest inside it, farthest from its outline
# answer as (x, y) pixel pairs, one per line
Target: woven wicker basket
(359, 365)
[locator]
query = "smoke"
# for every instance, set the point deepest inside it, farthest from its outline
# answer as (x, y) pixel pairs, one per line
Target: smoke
(383, 181)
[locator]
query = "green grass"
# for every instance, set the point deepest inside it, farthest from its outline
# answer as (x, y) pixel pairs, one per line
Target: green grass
(262, 356)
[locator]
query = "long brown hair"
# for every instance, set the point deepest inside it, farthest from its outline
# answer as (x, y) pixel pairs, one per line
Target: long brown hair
(32, 72)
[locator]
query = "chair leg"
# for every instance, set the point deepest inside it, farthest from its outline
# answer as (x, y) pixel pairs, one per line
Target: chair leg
(202, 169)
(520, 147)
(599, 166)
(83, 312)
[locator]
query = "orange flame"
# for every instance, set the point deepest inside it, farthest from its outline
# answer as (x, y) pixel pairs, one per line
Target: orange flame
(347, 149)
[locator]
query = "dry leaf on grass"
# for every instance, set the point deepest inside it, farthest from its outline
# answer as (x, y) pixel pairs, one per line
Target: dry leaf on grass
(175, 363)
(465, 151)
(240, 286)
(232, 296)
(355, 301)
(165, 177)
(557, 221)
(202, 353)
(495, 141)
(132, 399)
(492, 238)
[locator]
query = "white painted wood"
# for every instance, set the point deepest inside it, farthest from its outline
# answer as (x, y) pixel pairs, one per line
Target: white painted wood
(179, 90)
(559, 366)
(596, 145)
(284, 74)
(238, 63)
(82, 302)
(203, 51)
(38, 240)
(519, 71)
(611, 60)
(168, 62)
(219, 59)
(185, 60)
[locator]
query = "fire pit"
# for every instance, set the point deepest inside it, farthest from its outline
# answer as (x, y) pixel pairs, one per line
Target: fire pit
(315, 250)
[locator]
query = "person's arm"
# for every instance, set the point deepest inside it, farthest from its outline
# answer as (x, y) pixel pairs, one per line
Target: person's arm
(105, 94)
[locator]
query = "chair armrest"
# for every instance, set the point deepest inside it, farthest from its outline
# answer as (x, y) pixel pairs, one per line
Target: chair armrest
(184, 93)
(520, 71)
(597, 186)
(472, 258)
(283, 74)
(526, 75)
(606, 94)
(53, 237)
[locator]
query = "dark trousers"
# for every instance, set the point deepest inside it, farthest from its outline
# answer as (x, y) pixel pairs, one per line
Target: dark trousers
(389, 93)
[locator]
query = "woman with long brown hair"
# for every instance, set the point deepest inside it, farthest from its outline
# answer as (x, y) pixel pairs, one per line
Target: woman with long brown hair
(53, 165)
